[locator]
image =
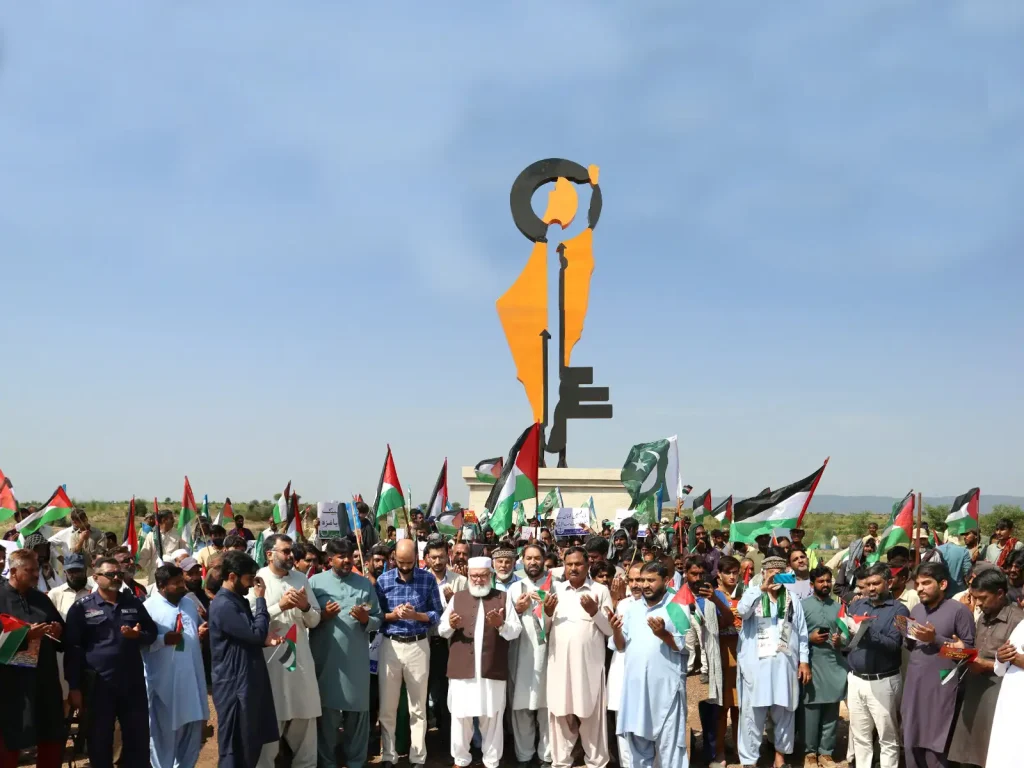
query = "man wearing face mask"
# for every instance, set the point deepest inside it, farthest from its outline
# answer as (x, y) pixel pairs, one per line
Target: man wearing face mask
(78, 585)
(291, 604)
(216, 546)
(341, 650)
(241, 683)
(175, 681)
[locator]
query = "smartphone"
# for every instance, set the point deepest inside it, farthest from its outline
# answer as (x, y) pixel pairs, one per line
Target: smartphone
(784, 578)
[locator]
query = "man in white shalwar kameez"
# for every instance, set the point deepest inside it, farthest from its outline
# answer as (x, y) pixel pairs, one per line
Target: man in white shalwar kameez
(1004, 746)
(528, 661)
(773, 658)
(617, 669)
(480, 622)
(175, 680)
(290, 601)
(577, 617)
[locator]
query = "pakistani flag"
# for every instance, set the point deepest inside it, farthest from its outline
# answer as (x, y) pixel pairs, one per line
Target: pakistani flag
(439, 496)
(520, 514)
(702, 511)
(553, 500)
(488, 470)
(593, 515)
(646, 512)
(723, 512)
(57, 507)
(781, 508)
(187, 519)
(8, 504)
(518, 480)
(963, 515)
(652, 465)
(390, 498)
(259, 553)
(901, 524)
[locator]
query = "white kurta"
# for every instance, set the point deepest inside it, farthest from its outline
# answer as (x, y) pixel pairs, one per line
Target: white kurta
(296, 693)
(528, 656)
(1004, 743)
(175, 681)
(617, 669)
(576, 651)
(479, 697)
(148, 555)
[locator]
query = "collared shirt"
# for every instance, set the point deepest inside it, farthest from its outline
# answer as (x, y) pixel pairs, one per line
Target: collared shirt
(880, 650)
(993, 631)
(93, 639)
(420, 592)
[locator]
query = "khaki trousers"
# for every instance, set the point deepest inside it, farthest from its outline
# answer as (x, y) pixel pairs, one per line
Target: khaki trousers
(409, 662)
(873, 706)
(592, 733)
(301, 738)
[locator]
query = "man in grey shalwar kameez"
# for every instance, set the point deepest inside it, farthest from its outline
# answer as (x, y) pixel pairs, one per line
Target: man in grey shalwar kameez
(652, 716)
(773, 660)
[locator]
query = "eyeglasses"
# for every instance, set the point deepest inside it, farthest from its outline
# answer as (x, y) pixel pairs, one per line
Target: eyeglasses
(282, 551)
(109, 574)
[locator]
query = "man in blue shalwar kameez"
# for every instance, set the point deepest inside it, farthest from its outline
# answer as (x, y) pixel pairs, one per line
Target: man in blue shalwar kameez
(246, 718)
(175, 680)
(652, 715)
(773, 660)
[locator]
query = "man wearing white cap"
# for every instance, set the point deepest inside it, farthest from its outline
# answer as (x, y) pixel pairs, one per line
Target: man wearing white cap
(480, 621)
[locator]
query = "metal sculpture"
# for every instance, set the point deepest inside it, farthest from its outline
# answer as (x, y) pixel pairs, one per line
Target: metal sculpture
(523, 309)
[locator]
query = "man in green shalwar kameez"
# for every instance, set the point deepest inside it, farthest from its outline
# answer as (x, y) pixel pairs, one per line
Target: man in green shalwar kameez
(341, 651)
(827, 688)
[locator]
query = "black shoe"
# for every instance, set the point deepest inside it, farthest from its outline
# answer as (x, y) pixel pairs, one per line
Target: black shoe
(386, 764)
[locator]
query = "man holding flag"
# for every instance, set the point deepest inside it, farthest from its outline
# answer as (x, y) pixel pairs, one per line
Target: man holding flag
(158, 544)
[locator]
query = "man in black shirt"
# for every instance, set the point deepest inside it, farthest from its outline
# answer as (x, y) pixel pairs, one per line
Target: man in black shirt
(874, 687)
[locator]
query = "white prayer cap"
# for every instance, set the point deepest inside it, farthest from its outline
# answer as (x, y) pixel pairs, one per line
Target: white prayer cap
(479, 562)
(178, 553)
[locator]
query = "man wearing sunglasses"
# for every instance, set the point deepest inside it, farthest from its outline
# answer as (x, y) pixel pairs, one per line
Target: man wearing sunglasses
(105, 634)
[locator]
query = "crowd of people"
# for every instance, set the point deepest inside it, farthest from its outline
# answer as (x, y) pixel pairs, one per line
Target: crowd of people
(556, 648)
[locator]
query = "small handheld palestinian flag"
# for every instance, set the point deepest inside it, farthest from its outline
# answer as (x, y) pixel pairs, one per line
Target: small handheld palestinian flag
(962, 657)
(131, 536)
(289, 656)
(189, 515)
(681, 608)
(847, 625)
(538, 609)
(8, 504)
(179, 628)
(390, 498)
(13, 634)
(723, 512)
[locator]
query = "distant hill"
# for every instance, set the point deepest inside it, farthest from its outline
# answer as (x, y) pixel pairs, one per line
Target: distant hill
(882, 505)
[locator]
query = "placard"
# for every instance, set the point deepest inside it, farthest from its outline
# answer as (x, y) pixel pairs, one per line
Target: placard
(572, 521)
(469, 516)
(327, 514)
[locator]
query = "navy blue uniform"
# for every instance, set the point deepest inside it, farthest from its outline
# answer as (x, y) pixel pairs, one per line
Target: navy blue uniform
(107, 667)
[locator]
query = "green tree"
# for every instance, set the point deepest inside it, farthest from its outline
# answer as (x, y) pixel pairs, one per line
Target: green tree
(1012, 512)
(167, 499)
(141, 508)
(935, 515)
(456, 506)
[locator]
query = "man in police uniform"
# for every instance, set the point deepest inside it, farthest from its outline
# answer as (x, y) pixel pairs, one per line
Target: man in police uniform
(105, 633)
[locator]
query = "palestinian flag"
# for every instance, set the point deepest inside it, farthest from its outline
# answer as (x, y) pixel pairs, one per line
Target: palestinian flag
(227, 512)
(189, 513)
(8, 504)
(390, 498)
(131, 536)
(179, 628)
(963, 515)
(12, 634)
(57, 507)
(847, 625)
(289, 656)
(702, 510)
(357, 498)
(294, 528)
(680, 608)
(553, 500)
(538, 607)
(439, 497)
(489, 470)
(450, 523)
(687, 490)
(518, 481)
(901, 524)
(781, 508)
(723, 512)
(282, 508)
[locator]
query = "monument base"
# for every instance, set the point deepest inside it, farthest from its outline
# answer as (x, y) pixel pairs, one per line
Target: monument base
(576, 485)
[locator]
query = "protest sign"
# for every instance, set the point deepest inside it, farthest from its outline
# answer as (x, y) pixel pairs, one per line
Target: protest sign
(572, 521)
(327, 514)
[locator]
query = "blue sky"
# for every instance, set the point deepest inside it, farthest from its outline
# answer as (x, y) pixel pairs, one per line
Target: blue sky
(249, 243)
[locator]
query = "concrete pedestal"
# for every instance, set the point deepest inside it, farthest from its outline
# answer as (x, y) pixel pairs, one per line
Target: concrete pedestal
(577, 486)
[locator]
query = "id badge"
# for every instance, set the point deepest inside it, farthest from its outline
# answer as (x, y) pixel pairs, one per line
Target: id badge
(784, 636)
(767, 638)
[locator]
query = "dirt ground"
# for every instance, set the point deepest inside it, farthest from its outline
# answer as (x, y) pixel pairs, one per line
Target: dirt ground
(438, 754)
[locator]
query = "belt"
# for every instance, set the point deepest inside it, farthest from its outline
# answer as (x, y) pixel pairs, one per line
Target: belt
(407, 638)
(875, 676)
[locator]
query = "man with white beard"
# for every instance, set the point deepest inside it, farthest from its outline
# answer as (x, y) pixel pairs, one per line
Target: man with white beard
(480, 621)
(504, 559)
(529, 660)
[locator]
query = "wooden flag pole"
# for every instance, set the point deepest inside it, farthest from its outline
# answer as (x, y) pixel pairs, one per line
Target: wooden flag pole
(679, 525)
(917, 531)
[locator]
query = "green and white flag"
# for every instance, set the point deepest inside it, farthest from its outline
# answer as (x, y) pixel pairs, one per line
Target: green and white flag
(520, 514)
(553, 500)
(646, 512)
(652, 465)
(593, 515)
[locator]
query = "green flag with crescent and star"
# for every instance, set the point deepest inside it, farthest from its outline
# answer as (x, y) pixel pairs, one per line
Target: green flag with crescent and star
(644, 470)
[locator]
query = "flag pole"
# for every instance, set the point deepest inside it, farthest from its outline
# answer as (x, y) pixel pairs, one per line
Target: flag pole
(679, 527)
(917, 538)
